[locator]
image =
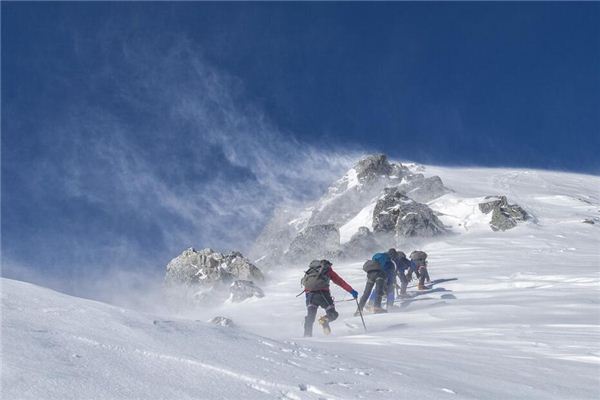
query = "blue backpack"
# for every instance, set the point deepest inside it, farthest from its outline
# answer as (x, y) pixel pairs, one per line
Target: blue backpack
(383, 259)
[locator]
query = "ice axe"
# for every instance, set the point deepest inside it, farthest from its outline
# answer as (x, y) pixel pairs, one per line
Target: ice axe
(361, 316)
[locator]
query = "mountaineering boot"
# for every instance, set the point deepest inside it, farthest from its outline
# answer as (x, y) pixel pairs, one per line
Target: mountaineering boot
(422, 287)
(324, 322)
(379, 310)
(357, 313)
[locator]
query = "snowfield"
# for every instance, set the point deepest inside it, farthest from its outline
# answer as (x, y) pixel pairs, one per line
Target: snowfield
(511, 315)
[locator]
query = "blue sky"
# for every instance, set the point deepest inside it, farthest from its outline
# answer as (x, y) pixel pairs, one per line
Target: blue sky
(133, 130)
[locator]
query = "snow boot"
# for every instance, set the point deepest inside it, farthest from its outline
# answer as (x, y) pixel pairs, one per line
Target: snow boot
(379, 310)
(324, 322)
(422, 287)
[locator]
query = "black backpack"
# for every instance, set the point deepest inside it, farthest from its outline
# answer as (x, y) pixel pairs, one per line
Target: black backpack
(371, 265)
(419, 258)
(316, 277)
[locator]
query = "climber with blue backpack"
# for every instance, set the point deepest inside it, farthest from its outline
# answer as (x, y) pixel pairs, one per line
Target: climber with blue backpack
(391, 261)
(316, 288)
(377, 269)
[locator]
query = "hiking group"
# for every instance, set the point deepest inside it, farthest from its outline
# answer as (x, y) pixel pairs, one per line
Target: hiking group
(381, 270)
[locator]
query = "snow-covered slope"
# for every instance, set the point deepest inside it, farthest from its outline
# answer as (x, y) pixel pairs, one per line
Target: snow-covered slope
(512, 315)
(56, 346)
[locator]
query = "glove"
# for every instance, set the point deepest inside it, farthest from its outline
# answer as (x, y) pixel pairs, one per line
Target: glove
(354, 293)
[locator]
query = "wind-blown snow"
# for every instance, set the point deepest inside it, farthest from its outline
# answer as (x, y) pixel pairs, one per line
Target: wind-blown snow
(512, 315)
(363, 218)
(460, 214)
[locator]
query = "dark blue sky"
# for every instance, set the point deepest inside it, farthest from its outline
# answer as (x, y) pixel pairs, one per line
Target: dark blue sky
(113, 113)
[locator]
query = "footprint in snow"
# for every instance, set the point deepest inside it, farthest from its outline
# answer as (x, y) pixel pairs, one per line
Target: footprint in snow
(346, 385)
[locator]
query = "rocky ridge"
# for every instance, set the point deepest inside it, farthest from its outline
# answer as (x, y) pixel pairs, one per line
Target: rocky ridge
(210, 277)
(504, 216)
(289, 235)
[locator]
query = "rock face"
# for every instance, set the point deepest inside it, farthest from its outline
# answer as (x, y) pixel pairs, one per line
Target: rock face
(315, 242)
(504, 216)
(222, 321)
(207, 266)
(242, 290)
(362, 243)
(204, 276)
(397, 213)
(372, 167)
(344, 200)
(423, 189)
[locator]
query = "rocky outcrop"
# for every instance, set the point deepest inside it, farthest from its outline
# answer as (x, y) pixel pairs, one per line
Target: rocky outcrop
(504, 216)
(372, 167)
(423, 189)
(222, 321)
(315, 242)
(206, 267)
(205, 276)
(397, 213)
(242, 290)
(344, 199)
(362, 243)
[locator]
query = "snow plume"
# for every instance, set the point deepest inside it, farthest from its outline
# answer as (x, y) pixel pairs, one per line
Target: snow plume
(162, 152)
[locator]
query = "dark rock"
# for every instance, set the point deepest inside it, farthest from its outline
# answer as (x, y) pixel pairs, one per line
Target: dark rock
(242, 290)
(204, 277)
(372, 167)
(504, 216)
(206, 267)
(588, 221)
(315, 242)
(395, 212)
(362, 242)
(222, 321)
(423, 189)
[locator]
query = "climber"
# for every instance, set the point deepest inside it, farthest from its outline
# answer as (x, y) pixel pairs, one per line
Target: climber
(316, 288)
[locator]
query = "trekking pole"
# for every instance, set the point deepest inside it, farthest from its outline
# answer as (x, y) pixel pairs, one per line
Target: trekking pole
(361, 316)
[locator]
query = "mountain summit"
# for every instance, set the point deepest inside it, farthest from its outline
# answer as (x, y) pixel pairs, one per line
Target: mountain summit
(357, 203)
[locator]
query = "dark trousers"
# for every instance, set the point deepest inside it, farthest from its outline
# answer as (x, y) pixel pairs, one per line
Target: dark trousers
(403, 282)
(374, 278)
(423, 275)
(314, 300)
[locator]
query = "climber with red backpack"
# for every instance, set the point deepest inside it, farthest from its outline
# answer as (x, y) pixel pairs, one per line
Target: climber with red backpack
(316, 288)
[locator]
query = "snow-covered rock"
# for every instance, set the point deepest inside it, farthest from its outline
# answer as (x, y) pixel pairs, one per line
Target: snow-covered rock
(424, 189)
(222, 321)
(362, 243)
(315, 242)
(345, 204)
(205, 275)
(241, 290)
(396, 213)
(504, 216)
